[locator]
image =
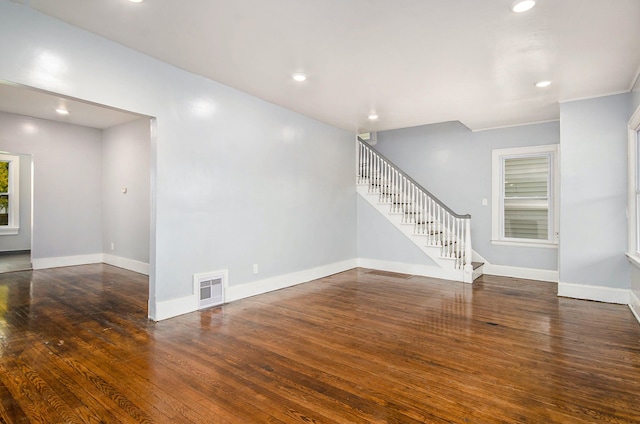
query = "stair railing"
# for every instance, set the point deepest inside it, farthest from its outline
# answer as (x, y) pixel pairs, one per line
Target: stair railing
(443, 227)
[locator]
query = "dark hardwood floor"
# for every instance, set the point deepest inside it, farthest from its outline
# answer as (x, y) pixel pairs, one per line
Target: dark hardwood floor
(357, 347)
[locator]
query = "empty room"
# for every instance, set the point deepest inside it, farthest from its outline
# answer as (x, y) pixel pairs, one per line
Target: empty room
(319, 212)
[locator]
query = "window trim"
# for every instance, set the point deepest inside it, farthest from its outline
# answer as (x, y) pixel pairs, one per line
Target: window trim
(13, 191)
(497, 177)
(633, 174)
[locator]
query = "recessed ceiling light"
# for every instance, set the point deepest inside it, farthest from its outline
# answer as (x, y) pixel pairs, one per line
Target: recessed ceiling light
(542, 84)
(299, 76)
(373, 117)
(523, 5)
(136, 1)
(62, 111)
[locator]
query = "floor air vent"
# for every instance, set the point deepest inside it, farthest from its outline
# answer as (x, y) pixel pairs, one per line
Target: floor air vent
(209, 288)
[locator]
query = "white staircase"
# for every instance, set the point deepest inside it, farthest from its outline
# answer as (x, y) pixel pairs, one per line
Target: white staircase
(443, 235)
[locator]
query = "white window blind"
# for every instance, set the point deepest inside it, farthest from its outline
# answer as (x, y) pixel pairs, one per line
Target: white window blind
(526, 197)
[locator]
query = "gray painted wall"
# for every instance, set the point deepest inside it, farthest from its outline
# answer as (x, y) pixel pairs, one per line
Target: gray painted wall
(379, 239)
(67, 177)
(126, 158)
(22, 240)
(454, 164)
(593, 222)
(238, 180)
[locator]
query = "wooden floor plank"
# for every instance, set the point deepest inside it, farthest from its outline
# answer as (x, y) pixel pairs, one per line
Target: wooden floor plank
(361, 347)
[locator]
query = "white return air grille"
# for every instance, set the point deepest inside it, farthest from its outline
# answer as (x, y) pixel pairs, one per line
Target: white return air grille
(209, 288)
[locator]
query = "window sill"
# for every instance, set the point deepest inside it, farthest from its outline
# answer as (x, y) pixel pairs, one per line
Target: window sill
(9, 231)
(634, 259)
(543, 245)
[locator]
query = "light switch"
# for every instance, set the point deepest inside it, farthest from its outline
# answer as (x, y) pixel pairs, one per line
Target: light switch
(124, 190)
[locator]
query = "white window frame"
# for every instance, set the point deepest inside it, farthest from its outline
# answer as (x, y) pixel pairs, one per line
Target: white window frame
(13, 191)
(633, 188)
(497, 201)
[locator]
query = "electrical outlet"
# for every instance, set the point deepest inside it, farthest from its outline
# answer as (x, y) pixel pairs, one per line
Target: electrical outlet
(255, 268)
(113, 245)
(485, 202)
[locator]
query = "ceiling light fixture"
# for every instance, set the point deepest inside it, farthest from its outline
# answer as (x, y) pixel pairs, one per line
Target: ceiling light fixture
(136, 1)
(299, 76)
(62, 111)
(543, 84)
(523, 6)
(373, 117)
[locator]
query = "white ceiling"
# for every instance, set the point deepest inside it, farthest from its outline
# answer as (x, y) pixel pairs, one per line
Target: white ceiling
(413, 62)
(25, 101)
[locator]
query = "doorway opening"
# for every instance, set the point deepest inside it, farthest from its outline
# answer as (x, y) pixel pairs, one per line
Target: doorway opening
(88, 175)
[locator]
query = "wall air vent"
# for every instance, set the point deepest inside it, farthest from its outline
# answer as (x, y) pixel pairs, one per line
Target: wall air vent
(209, 288)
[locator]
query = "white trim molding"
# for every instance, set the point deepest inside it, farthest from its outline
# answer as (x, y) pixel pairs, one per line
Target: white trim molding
(254, 288)
(13, 191)
(634, 304)
(633, 168)
(173, 307)
(413, 269)
(62, 261)
(183, 305)
(548, 275)
(125, 263)
(96, 258)
(498, 158)
(597, 293)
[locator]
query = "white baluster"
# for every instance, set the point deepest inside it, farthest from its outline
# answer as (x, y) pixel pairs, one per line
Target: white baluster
(430, 222)
(414, 204)
(375, 171)
(382, 173)
(459, 241)
(446, 242)
(360, 161)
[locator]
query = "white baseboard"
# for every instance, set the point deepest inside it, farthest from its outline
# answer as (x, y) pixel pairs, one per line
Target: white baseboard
(61, 261)
(597, 293)
(634, 304)
(96, 258)
(254, 288)
(413, 269)
(174, 307)
(183, 305)
(518, 272)
(129, 264)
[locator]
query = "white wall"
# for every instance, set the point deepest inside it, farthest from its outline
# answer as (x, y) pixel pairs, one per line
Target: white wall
(22, 240)
(593, 222)
(126, 162)
(236, 181)
(67, 178)
(454, 164)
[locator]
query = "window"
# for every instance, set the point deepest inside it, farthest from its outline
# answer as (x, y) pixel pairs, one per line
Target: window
(9, 194)
(524, 196)
(634, 187)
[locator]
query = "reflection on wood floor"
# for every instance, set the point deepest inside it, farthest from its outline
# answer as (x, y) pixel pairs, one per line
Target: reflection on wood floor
(356, 347)
(15, 262)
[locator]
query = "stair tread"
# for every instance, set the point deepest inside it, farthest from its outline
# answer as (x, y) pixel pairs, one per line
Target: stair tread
(477, 265)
